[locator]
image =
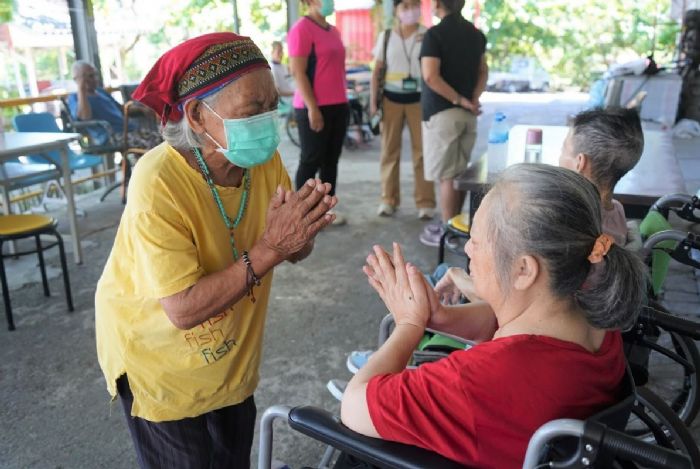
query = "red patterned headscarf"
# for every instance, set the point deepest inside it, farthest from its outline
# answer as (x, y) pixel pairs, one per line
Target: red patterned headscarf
(195, 68)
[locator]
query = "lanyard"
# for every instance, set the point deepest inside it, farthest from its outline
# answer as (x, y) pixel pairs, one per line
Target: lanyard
(230, 225)
(409, 54)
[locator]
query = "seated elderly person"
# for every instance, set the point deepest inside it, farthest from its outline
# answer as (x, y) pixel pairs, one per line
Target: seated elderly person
(92, 102)
(549, 335)
(602, 145)
(280, 72)
(180, 307)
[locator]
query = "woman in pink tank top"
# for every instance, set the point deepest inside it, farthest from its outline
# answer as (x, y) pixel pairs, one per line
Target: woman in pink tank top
(317, 59)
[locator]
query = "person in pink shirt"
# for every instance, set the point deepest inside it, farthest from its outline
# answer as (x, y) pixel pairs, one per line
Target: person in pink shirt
(317, 60)
(548, 335)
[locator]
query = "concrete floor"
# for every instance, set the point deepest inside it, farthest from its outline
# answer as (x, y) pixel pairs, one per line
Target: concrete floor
(54, 408)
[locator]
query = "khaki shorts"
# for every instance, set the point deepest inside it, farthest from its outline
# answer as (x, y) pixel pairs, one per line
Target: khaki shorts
(448, 140)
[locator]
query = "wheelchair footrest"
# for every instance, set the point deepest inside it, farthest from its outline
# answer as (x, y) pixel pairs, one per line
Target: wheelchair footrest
(323, 426)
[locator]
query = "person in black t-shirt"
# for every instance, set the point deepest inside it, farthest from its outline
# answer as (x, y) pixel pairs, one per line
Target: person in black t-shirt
(454, 69)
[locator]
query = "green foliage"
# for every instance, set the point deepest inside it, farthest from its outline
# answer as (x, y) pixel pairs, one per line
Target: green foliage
(260, 11)
(7, 8)
(46, 63)
(576, 40)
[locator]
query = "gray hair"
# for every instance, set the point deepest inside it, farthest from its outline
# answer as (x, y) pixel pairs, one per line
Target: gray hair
(554, 214)
(180, 134)
(613, 141)
(78, 65)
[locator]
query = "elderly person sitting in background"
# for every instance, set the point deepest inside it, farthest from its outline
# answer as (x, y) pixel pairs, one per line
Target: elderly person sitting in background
(602, 145)
(280, 72)
(180, 307)
(550, 345)
(92, 102)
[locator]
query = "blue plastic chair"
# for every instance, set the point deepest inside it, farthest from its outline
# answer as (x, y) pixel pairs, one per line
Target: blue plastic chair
(45, 122)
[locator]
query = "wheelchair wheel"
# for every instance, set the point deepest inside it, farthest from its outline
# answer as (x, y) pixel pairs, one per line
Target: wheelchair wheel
(292, 129)
(668, 364)
(674, 382)
(653, 421)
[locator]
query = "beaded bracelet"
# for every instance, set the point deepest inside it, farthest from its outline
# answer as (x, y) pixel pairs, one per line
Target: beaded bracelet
(252, 280)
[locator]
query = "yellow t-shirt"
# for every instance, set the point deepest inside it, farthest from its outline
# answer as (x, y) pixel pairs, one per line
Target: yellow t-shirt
(171, 234)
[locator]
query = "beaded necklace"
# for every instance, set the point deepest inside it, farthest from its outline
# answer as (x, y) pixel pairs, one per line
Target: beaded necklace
(231, 225)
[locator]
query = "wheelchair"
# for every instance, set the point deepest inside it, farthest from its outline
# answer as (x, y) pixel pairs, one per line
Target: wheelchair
(564, 443)
(660, 339)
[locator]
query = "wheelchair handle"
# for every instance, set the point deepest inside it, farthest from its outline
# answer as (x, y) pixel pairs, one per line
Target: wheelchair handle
(671, 323)
(630, 448)
(596, 439)
(670, 200)
(666, 235)
(682, 204)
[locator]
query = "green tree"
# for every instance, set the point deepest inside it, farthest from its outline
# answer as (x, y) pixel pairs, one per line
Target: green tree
(7, 8)
(576, 40)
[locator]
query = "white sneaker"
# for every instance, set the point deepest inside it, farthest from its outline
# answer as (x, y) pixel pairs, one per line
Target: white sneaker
(340, 220)
(426, 213)
(386, 210)
(357, 359)
(337, 387)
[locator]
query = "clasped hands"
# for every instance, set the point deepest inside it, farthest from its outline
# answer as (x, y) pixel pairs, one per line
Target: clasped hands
(294, 218)
(401, 286)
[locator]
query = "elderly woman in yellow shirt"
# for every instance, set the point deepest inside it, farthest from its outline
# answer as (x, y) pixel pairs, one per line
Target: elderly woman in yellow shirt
(180, 307)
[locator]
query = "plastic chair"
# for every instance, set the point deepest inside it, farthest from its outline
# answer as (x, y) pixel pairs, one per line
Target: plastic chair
(147, 123)
(45, 122)
(457, 227)
(16, 227)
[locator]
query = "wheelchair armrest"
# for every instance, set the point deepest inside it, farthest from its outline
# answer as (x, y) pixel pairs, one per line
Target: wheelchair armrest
(323, 426)
(82, 125)
(87, 145)
(658, 316)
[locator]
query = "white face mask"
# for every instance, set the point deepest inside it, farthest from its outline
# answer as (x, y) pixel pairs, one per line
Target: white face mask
(410, 16)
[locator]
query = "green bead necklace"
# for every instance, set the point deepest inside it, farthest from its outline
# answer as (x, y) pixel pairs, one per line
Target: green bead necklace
(230, 225)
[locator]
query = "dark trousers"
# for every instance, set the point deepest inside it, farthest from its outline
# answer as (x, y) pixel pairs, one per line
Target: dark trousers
(218, 439)
(320, 151)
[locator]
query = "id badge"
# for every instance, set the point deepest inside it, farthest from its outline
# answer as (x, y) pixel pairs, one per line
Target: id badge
(409, 84)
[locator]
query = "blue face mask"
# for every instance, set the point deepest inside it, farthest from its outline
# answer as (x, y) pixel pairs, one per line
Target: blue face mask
(250, 141)
(327, 7)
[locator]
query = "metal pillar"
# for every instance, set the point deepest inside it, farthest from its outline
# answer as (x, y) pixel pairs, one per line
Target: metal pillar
(236, 19)
(292, 12)
(82, 21)
(388, 14)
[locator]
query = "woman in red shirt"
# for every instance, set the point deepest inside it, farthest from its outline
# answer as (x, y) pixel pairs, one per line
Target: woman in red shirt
(548, 331)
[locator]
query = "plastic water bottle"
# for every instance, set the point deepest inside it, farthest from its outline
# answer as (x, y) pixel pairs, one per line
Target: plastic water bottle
(497, 152)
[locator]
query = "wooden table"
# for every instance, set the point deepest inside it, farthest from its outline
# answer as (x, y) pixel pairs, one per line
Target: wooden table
(657, 173)
(15, 144)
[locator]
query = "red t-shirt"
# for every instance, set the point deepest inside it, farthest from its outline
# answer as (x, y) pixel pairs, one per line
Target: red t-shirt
(306, 39)
(480, 406)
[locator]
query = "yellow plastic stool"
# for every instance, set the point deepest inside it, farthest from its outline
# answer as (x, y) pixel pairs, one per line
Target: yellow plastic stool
(16, 227)
(458, 226)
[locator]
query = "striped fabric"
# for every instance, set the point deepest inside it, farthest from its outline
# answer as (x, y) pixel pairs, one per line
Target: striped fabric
(217, 62)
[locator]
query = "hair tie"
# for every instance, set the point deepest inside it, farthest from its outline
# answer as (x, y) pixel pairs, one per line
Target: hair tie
(602, 245)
